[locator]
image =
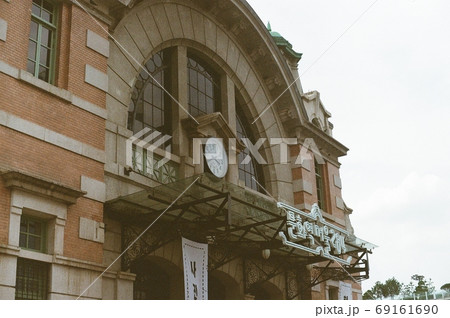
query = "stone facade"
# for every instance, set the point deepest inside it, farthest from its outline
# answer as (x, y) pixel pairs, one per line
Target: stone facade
(63, 144)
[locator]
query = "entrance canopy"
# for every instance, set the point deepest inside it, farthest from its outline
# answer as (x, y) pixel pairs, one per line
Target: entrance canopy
(205, 208)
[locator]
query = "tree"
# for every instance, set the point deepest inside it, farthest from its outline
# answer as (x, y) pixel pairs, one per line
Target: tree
(418, 277)
(430, 286)
(446, 287)
(408, 290)
(368, 295)
(423, 286)
(378, 290)
(392, 287)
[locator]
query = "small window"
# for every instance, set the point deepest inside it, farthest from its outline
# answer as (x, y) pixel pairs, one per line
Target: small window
(320, 184)
(32, 234)
(41, 42)
(31, 280)
(203, 88)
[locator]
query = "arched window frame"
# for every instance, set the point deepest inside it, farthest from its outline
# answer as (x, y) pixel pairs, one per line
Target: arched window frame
(155, 115)
(159, 81)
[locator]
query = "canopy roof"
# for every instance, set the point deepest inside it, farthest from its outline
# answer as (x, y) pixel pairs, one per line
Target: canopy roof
(206, 208)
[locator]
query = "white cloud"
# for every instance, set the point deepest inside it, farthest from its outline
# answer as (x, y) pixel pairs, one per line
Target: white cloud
(386, 83)
(409, 222)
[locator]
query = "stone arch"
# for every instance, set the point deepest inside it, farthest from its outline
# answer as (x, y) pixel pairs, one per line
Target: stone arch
(222, 286)
(157, 278)
(177, 22)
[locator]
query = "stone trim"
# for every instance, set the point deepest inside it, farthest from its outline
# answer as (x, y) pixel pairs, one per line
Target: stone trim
(96, 78)
(79, 264)
(41, 257)
(40, 186)
(301, 185)
(120, 275)
(39, 132)
(95, 190)
(340, 203)
(306, 164)
(92, 230)
(337, 181)
(3, 30)
(76, 101)
(97, 43)
(303, 206)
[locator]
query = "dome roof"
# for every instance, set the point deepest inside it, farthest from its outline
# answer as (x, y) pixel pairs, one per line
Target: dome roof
(283, 44)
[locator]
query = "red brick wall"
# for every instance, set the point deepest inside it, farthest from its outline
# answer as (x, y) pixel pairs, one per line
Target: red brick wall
(75, 247)
(331, 191)
(301, 173)
(15, 50)
(36, 157)
(33, 156)
(38, 106)
(80, 55)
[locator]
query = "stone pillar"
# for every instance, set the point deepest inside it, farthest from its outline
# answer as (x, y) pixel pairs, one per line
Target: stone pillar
(14, 225)
(8, 266)
(228, 100)
(180, 109)
(58, 245)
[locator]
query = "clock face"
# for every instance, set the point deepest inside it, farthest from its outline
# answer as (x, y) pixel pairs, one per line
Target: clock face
(216, 157)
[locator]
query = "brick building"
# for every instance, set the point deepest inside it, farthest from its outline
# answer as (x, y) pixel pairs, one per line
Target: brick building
(74, 191)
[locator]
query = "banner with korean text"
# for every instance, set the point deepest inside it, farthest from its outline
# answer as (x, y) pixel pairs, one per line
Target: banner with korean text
(195, 262)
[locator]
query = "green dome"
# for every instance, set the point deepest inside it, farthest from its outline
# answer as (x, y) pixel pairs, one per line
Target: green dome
(283, 44)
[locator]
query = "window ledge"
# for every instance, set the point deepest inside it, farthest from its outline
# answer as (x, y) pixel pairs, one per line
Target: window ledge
(16, 179)
(36, 256)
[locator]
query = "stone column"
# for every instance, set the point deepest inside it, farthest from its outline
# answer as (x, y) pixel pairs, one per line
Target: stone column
(8, 266)
(180, 109)
(228, 100)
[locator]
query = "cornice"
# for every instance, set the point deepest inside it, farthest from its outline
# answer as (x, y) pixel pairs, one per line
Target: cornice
(41, 186)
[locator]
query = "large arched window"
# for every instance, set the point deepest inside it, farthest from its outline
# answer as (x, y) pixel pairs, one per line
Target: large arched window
(150, 105)
(250, 173)
(203, 88)
(150, 109)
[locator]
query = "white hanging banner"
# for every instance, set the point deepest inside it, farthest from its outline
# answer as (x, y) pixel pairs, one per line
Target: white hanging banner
(195, 262)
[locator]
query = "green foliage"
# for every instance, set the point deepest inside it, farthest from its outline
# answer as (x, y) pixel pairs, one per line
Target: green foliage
(368, 295)
(446, 287)
(392, 287)
(408, 290)
(378, 290)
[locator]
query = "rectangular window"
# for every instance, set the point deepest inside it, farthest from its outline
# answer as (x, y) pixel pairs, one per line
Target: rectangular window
(32, 234)
(320, 185)
(42, 43)
(31, 279)
(148, 164)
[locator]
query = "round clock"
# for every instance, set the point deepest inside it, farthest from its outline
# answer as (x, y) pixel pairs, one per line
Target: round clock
(216, 157)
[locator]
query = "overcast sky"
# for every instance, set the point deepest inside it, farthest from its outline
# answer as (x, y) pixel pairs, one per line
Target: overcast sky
(386, 82)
